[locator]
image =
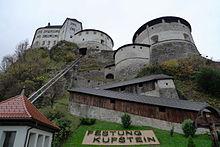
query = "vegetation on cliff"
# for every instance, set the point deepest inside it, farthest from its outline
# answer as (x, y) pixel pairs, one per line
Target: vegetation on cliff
(195, 78)
(34, 67)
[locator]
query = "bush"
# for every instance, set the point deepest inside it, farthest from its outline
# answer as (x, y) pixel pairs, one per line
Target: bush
(190, 142)
(172, 131)
(188, 129)
(208, 79)
(65, 130)
(87, 121)
(126, 121)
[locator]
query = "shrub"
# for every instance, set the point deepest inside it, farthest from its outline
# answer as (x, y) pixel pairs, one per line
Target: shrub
(190, 142)
(87, 121)
(208, 79)
(188, 129)
(171, 131)
(126, 120)
(65, 130)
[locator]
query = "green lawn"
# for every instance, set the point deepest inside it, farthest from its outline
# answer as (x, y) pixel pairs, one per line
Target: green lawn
(178, 140)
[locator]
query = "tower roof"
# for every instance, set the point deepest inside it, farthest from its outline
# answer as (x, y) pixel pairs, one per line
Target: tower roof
(20, 108)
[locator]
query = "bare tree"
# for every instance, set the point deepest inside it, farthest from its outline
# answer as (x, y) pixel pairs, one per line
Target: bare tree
(6, 62)
(20, 49)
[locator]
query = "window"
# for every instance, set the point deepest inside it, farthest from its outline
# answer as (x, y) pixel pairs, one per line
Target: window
(31, 140)
(43, 43)
(140, 47)
(94, 32)
(9, 138)
(46, 142)
(79, 34)
(112, 101)
(186, 37)
(154, 39)
(87, 32)
(71, 36)
(54, 42)
(166, 83)
(162, 109)
(83, 39)
(102, 41)
(39, 141)
(133, 46)
(122, 88)
(101, 34)
(140, 84)
(97, 46)
(48, 43)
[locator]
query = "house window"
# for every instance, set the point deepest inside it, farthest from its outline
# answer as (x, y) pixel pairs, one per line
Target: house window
(9, 138)
(46, 142)
(40, 141)
(112, 101)
(94, 32)
(54, 42)
(101, 34)
(154, 39)
(122, 88)
(87, 32)
(162, 109)
(71, 36)
(31, 140)
(79, 34)
(43, 43)
(140, 84)
(48, 43)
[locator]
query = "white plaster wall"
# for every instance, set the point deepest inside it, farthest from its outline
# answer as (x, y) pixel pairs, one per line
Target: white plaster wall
(167, 83)
(132, 51)
(94, 36)
(48, 35)
(165, 31)
(70, 27)
(130, 59)
(21, 135)
(83, 110)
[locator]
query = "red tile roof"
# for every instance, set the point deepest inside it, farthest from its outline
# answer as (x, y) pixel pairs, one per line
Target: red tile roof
(19, 107)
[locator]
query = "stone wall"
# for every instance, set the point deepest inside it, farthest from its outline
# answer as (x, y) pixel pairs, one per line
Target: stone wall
(167, 50)
(83, 110)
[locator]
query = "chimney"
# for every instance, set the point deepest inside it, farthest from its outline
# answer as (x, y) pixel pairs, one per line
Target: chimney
(48, 24)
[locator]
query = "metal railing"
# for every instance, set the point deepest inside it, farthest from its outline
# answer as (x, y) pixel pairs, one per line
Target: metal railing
(34, 96)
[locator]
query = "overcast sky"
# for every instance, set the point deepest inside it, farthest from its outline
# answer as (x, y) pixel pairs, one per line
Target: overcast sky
(119, 18)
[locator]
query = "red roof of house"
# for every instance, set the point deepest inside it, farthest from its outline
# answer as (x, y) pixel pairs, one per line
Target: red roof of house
(19, 107)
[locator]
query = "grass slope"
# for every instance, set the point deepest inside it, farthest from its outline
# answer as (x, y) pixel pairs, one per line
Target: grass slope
(178, 140)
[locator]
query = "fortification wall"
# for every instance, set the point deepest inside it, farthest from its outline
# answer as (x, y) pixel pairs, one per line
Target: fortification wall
(172, 49)
(94, 39)
(129, 60)
(164, 31)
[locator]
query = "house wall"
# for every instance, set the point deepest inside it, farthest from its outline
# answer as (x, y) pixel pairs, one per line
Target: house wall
(88, 111)
(159, 88)
(40, 139)
(144, 110)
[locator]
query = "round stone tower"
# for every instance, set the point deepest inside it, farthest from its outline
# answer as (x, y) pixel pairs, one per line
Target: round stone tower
(129, 59)
(94, 39)
(170, 38)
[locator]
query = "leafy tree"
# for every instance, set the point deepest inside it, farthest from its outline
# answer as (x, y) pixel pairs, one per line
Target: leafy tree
(188, 129)
(190, 142)
(126, 120)
(208, 80)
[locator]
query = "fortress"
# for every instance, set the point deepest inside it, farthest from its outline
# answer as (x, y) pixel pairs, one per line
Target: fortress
(156, 41)
(151, 100)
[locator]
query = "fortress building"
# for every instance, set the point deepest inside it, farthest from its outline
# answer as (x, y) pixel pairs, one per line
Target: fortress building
(72, 31)
(156, 41)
